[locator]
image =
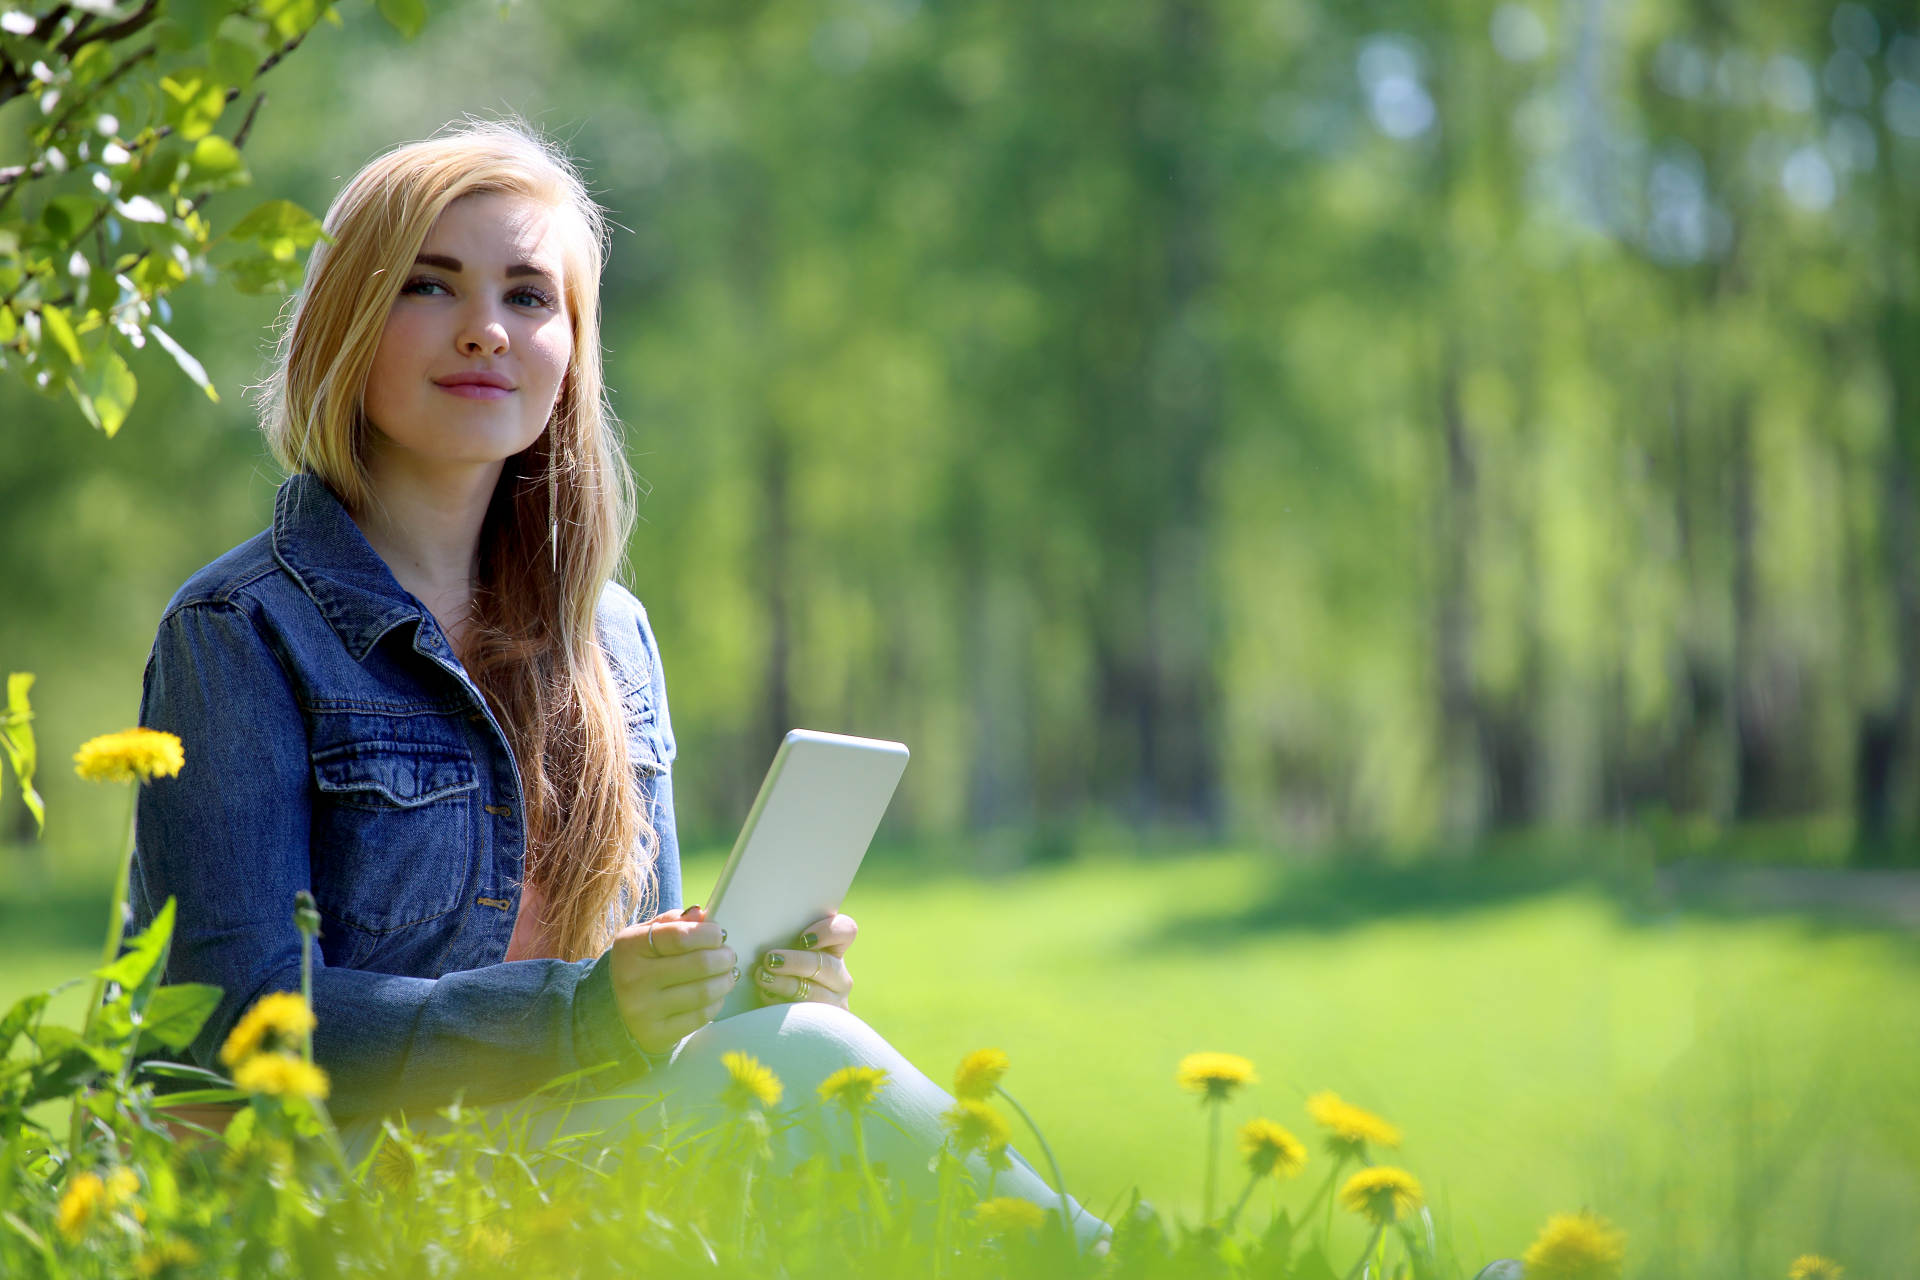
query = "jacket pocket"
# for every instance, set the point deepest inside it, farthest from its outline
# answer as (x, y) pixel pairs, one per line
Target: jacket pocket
(394, 775)
(392, 833)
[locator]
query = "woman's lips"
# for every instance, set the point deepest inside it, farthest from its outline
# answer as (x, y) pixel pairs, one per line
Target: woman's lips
(474, 390)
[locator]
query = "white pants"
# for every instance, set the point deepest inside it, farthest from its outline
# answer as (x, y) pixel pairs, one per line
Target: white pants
(803, 1044)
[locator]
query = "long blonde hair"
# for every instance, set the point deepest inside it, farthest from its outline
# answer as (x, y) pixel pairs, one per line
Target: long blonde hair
(557, 527)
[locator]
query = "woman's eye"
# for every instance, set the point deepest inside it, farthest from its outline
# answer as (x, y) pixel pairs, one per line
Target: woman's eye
(530, 297)
(421, 284)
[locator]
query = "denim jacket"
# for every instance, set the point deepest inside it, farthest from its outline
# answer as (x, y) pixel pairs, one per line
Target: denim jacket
(334, 743)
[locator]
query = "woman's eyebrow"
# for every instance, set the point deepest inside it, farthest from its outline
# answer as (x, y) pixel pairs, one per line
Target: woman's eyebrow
(446, 263)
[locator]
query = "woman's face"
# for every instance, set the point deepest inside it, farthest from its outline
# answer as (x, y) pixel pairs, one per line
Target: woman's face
(476, 346)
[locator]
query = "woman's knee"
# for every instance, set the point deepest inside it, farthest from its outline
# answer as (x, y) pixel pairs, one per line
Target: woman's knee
(808, 1038)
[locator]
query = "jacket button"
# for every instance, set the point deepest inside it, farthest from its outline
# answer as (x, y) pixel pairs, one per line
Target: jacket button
(499, 810)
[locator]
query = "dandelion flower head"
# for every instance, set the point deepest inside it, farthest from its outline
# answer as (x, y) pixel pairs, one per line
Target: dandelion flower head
(750, 1082)
(1215, 1075)
(1576, 1246)
(283, 1075)
(980, 1073)
(277, 1020)
(128, 756)
(975, 1126)
(1384, 1195)
(1004, 1215)
(853, 1087)
(1811, 1266)
(1349, 1128)
(84, 1197)
(395, 1166)
(1269, 1148)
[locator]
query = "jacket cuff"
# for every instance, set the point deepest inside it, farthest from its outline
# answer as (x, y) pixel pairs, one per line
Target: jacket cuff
(600, 1035)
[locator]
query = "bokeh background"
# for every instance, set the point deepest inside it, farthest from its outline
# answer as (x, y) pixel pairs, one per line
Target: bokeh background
(1457, 464)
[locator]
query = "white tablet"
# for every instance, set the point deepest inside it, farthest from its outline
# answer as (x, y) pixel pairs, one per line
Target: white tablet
(803, 840)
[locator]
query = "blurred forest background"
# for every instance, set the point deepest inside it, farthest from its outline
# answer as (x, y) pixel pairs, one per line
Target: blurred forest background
(1375, 425)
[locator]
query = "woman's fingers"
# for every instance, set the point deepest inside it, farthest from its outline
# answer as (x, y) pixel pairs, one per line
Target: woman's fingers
(782, 973)
(835, 933)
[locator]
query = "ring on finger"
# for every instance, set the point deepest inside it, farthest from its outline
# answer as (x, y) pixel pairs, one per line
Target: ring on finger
(651, 944)
(819, 963)
(806, 989)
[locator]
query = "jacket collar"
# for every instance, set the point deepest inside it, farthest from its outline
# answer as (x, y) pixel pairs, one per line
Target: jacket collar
(318, 543)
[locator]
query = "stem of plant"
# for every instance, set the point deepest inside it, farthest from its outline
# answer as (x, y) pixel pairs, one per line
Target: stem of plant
(879, 1205)
(1213, 1158)
(1059, 1180)
(1233, 1216)
(1327, 1231)
(1361, 1261)
(116, 927)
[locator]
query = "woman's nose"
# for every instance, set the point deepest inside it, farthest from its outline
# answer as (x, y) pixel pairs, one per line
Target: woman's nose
(481, 333)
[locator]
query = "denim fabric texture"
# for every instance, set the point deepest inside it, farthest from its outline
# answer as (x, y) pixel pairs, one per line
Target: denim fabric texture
(334, 743)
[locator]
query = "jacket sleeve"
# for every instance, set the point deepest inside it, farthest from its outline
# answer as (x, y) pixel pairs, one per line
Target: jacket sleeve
(228, 839)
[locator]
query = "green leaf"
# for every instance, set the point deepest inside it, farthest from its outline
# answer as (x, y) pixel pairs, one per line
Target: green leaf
(109, 386)
(278, 220)
(16, 738)
(60, 1074)
(65, 217)
(19, 1018)
(233, 61)
(60, 329)
(175, 1015)
(182, 357)
(181, 1071)
(262, 273)
(405, 16)
(8, 325)
(143, 953)
(195, 101)
(216, 164)
(200, 1097)
(291, 18)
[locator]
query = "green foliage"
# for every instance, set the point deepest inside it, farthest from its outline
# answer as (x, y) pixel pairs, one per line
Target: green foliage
(125, 115)
(16, 740)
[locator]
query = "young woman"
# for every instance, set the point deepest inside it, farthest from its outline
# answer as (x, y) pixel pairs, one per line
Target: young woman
(421, 695)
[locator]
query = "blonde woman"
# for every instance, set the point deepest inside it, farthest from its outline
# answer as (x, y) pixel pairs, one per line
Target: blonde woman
(421, 696)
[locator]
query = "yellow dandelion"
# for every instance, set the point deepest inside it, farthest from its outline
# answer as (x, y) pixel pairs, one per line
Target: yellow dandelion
(750, 1081)
(84, 1197)
(975, 1126)
(980, 1073)
(122, 1184)
(1215, 1075)
(1576, 1246)
(1269, 1148)
(1005, 1215)
(282, 1075)
(1811, 1266)
(165, 1259)
(395, 1166)
(130, 755)
(278, 1020)
(1384, 1195)
(853, 1087)
(1349, 1129)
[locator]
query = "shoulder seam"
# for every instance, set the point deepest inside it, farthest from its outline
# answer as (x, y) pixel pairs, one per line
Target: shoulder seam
(225, 594)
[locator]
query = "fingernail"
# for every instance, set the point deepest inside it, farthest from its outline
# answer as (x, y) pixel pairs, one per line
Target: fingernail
(736, 974)
(765, 976)
(808, 941)
(774, 960)
(694, 907)
(723, 935)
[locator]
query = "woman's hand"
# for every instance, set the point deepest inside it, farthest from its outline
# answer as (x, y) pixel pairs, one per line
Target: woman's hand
(670, 975)
(815, 969)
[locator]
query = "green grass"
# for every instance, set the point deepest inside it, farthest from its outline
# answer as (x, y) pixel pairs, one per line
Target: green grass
(1731, 1091)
